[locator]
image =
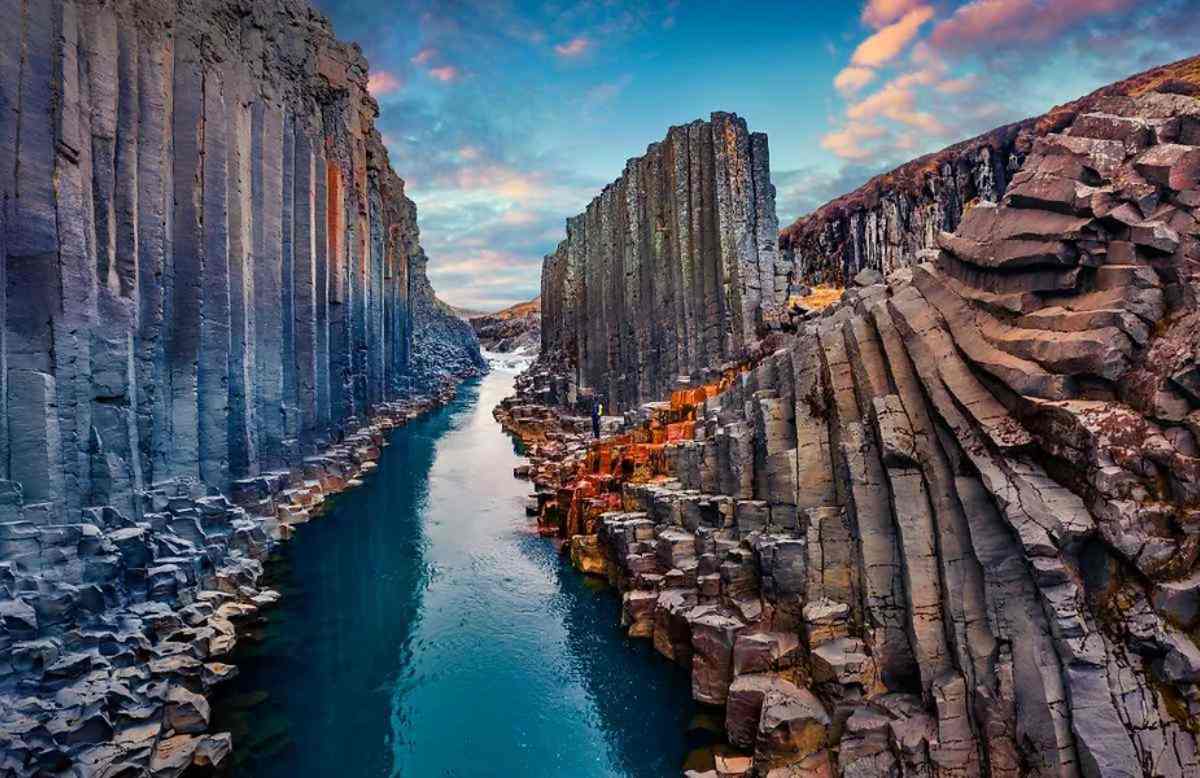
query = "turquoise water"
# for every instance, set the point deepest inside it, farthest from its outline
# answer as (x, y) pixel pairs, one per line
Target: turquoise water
(426, 631)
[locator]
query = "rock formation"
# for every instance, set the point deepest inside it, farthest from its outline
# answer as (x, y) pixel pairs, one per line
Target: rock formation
(950, 525)
(672, 269)
(517, 328)
(886, 222)
(212, 280)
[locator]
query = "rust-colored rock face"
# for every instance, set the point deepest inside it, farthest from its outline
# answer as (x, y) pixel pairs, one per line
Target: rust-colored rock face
(888, 221)
(672, 270)
(950, 524)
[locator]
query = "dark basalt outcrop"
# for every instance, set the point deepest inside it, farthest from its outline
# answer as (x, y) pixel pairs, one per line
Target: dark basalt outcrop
(214, 305)
(886, 222)
(951, 526)
(672, 270)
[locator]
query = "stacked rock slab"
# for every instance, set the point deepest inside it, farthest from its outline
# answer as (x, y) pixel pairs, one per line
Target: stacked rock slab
(207, 282)
(952, 526)
(885, 223)
(673, 269)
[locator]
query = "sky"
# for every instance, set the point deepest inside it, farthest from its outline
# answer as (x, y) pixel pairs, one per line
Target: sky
(505, 117)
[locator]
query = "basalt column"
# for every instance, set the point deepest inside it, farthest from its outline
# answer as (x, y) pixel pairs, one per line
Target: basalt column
(673, 269)
(205, 253)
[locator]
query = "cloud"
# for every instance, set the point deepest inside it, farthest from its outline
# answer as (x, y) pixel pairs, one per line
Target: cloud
(886, 45)
(803, 190)
(574, 47)
(850, 142)
(435, 63)
(878, 13)
(896, 102)
(852, 79)
(992, 23)
(603, 94)
(446, 73)
(382, 82)
(957, 86)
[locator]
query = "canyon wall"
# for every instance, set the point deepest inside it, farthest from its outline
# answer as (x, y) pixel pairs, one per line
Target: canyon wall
(212, 278)
(673, 269)
(951, 525)
(888, 221)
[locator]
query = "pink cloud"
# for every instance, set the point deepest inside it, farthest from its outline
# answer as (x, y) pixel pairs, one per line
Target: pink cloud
(574, 47)
(885, 45)
(424, 56)
(382, 82)
(850, 142)
(446, 73)
(999, 21)
(957, 86)
(852, 79)
(896, 102)
(878, 13)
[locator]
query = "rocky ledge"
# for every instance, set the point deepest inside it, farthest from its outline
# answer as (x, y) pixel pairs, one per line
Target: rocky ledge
(125, 691)
(951, 525)
(886, 222)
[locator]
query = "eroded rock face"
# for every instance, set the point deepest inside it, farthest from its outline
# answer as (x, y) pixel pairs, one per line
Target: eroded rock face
(968, 493)
(214, 306)
(672, 270)
(887, 222)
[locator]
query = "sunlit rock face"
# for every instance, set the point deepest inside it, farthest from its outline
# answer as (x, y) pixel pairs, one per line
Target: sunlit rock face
(970, 491)
(885, 223)
(208, 281)
(673, 269)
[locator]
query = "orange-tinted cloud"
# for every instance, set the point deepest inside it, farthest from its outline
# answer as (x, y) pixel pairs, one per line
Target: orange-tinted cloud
(995, 21)
(852, 79)
(574, 47)
(446, 73)
(382, 82)
(878, 13)
(424, 56)
(885, 45)
(850, 142)
(896, 102)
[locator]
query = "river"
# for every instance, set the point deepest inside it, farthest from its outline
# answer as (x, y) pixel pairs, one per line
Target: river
(425, 630)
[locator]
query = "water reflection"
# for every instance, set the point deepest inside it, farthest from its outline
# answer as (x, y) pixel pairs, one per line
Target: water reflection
(425, 631)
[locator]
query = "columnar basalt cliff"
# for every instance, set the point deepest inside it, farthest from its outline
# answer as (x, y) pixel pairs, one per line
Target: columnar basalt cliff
(212, 281)
(888, 221)
(950, 526)
(672, 270)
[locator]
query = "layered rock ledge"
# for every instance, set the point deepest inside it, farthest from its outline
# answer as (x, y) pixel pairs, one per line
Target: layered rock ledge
(885, 223)
(949, 526)
(215, 305)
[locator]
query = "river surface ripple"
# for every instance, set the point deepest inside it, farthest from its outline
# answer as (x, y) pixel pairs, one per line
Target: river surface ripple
(425, 630)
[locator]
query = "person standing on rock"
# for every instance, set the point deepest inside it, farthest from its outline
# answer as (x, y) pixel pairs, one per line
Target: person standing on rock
(597, 411)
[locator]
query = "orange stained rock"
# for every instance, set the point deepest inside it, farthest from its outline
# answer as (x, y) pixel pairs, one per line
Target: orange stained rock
(591, 483)
(683, 430)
